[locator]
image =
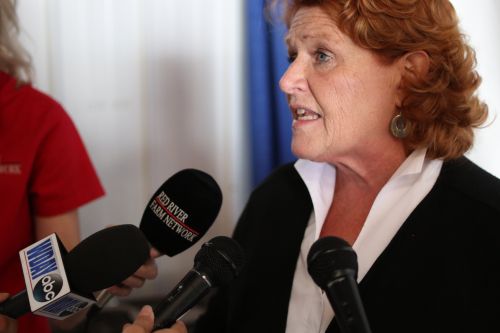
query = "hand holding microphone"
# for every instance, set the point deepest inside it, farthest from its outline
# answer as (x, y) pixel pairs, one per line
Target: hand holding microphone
(178, 215)
(98, 262)
(180, 212)
(148, 271)
(333, 266)
(217, 263)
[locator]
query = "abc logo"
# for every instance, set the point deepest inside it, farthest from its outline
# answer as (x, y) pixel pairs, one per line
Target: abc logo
(47, 287)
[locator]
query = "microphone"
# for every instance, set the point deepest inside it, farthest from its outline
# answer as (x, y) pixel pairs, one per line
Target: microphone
(181, 211)
(217, 263)
(178, 214)
(333, 265)
(60, 284)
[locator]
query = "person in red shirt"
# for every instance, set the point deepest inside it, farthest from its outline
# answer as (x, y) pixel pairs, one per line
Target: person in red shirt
(45, 172)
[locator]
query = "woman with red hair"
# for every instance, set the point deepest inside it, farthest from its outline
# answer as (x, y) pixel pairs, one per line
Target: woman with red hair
(382, 94)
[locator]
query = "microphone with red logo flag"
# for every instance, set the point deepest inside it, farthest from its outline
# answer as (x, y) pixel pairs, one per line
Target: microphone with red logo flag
(181, 211)
(178, 214)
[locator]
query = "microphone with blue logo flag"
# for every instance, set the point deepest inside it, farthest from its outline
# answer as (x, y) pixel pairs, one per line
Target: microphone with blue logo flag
(60, 284)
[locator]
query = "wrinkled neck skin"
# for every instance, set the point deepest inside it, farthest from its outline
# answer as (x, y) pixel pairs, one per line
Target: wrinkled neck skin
(369, 170)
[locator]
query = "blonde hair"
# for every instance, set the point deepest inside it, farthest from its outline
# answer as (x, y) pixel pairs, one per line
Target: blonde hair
(441, 108)
(14, 60)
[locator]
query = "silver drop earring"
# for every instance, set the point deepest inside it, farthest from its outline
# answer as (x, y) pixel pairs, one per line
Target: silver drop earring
(398, 126)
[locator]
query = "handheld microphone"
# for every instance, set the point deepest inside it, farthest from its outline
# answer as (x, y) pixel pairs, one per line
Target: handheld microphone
(61, 284)
(178, 214)
(333, 265)
(181, 211)
(217, 263)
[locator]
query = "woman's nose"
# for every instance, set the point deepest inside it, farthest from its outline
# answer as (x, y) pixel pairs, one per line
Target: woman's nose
(294, 79)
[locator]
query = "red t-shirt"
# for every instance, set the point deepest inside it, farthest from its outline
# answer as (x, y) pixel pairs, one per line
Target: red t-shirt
(44, 171)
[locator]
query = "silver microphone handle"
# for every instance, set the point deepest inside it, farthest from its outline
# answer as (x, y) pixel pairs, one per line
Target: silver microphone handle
(103, 298)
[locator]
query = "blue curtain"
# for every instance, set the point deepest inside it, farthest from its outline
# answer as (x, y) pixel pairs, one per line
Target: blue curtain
(268, 113)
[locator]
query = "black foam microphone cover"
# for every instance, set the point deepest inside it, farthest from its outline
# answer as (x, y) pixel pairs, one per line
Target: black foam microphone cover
(181, 211)
(329, 257)
(106, 258)
(221, 259)
(333, 265)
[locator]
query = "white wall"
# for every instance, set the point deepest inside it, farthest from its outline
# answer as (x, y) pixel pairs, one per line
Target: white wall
(480, 20)
(154, 87)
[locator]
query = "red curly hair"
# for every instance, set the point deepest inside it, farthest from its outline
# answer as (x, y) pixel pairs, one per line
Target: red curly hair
(441, 108)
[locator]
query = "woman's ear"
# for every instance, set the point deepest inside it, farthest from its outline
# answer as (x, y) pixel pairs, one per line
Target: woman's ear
(414, 66)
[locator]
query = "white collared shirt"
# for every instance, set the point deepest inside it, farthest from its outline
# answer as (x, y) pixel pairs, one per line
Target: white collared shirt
(309, 310)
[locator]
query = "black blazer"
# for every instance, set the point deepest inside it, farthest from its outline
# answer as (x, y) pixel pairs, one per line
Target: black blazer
(440, 272)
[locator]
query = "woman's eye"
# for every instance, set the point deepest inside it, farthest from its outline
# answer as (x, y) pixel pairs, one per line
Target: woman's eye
(291, 58)
(322, 56)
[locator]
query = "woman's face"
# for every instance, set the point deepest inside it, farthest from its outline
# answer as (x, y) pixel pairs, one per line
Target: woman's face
(341, 96)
